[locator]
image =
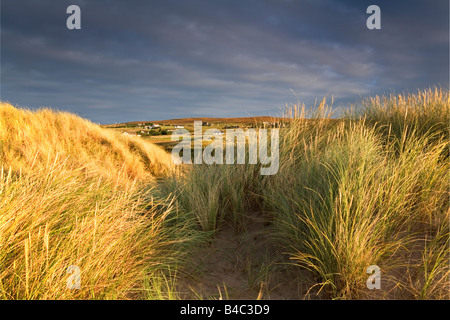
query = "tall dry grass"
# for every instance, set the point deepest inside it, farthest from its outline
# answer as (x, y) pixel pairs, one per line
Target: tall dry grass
(426, 111)
(356, 193)
(371, 188)
(352, 192)
(54, 217)
(215, 194)
(30, 138)
(73, 194)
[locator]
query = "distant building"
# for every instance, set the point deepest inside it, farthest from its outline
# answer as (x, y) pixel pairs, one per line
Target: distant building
(130, 134)
(178, 127)
(155, 126)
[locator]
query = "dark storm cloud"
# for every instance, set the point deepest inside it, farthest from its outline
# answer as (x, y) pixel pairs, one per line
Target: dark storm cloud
(137, 60)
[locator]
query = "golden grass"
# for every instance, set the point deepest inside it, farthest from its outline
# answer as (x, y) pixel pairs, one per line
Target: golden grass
(32, 138)
(424, 111)
(72, 193)
(371, 188)
(54, 217)
(359, 191)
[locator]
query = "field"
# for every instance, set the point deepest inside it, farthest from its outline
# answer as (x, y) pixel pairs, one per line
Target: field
(368, 189)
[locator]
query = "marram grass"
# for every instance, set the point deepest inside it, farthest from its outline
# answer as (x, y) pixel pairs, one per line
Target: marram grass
(74, 194)
(371, 188)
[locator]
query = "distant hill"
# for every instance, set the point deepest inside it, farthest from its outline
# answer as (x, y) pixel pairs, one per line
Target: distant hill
(259, 119)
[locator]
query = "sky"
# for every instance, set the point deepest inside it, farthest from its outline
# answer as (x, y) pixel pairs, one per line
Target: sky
(163, 59)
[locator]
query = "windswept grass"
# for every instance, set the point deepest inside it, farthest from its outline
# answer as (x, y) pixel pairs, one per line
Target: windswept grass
(371, 188)
(215, 193)
(355, 194)
(345, 207)
(424, 112)
(33, 138)
(52, 218)
(350, 193)
(73, 194)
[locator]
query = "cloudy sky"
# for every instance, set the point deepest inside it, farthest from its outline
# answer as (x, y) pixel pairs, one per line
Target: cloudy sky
(163, 59)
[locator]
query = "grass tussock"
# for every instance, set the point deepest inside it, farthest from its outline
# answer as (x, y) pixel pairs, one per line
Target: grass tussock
(215, 194)
(424, 112)
(346, 205)
(54, 217)
(355, 194)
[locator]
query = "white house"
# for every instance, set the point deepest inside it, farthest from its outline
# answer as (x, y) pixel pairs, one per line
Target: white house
(130, 134)
(155, 126)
